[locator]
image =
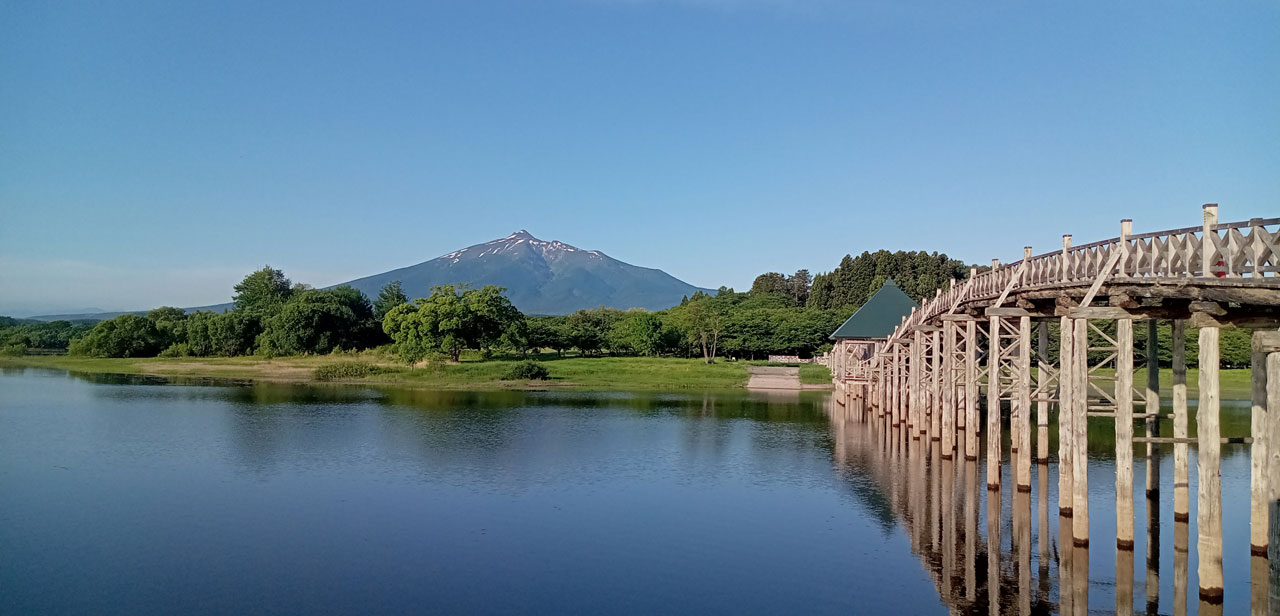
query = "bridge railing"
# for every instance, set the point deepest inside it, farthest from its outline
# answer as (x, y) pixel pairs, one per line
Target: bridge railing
(1238, 250)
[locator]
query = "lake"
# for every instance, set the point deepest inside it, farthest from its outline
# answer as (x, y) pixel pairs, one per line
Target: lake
(126, 495)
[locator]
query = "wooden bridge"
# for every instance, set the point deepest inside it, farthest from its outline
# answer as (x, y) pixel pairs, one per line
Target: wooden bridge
(979, 340)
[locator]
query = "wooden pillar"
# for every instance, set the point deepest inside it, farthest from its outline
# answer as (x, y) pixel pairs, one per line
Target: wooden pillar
(1023, 404)
(1124, 435)
(1208, 456)
(1153, 402)
(1080, 436)
(916, 405)
(1259, 487)
(993, 406)
(935, 389)
(971, 390)
(1273, 477)
(896, 374)
(1066, 392)
(1207, 250)
(1042, 405)
(1181, 480)
(947, 377)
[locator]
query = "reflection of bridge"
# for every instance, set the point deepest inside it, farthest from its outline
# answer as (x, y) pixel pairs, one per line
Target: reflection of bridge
(928, 377)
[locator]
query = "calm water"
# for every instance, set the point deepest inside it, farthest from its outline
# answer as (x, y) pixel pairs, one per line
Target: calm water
(135, 496)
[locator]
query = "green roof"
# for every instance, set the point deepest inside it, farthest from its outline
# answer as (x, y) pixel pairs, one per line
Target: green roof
(879, 316)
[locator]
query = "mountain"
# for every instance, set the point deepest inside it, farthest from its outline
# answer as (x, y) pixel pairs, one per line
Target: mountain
(541, 277)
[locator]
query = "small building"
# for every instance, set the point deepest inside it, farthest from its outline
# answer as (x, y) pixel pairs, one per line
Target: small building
(859, 337)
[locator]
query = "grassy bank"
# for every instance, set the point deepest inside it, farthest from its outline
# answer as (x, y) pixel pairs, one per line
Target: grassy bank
(595, 373)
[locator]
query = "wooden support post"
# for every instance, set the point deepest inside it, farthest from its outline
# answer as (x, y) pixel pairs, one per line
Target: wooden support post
(971, 390)
(1080, 436)
(1273, 477)
(947, 377)
(917, 405)
(993, 406)
(1258, 484)
(1152, 424)
(1181, 480)
(1208, 456)
(1042, 405)
(880, 384)
(1023, 403)
(1066, 393)
(896, 405)
(1124, 435)
(935, 389)
(1207, 250)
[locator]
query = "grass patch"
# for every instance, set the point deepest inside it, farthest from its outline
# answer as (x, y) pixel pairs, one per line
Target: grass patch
(344, 371)
(591, 373)
(815, 374)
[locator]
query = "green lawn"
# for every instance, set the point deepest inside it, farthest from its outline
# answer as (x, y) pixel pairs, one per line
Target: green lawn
(815, 374)
(596, 373)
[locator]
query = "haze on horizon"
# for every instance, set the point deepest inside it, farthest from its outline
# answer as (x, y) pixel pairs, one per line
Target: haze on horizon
(154, 153)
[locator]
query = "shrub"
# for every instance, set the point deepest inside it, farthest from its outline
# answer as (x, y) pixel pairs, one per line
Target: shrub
(344, 370)
(16, 349)
(526, 371)
(177, 349)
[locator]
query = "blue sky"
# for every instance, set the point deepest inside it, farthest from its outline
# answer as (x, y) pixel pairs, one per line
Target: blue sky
(155, 152)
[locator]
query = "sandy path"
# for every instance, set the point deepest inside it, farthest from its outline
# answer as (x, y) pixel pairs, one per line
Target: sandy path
(774, 377)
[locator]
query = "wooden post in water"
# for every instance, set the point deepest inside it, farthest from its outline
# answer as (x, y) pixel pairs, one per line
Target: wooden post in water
(1152, 428)
(935, 397)
(1124, 436)
(1080, 438)
(1042, 405)
(993, 406)
(1181, 479)
(971, 390)
(1066, 406)
(1153, 405)
(1258, 429)
(1273, 473)
(1023, 405)
(947, 377)
(897, 385)
(1208, 456)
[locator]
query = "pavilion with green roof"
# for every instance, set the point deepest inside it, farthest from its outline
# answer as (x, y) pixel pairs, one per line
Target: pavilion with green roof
(877, 318)
(857, 338)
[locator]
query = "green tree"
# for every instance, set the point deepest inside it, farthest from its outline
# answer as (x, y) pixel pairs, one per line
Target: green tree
(491, 315)
(318, 321)
(262, 292)
(127, 335)
(389, 297)
(171, 324)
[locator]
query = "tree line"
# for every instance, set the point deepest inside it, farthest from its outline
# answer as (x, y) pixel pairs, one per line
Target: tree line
(272, 316)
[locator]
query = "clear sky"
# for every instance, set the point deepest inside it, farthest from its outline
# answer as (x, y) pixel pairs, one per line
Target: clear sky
(155, 152)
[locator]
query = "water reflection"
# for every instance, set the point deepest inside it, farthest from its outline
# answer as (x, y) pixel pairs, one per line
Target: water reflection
(1000, 552)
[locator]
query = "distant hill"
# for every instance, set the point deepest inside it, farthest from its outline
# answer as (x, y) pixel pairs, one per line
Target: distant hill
(541, 277)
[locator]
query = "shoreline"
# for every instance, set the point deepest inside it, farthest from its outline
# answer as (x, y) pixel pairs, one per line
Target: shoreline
(571, 373)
